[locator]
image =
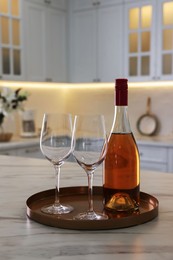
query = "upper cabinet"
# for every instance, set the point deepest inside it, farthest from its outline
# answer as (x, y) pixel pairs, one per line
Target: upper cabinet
(59, 4)
(85, 4)
(165, 39)
(11, 47)
(45, 40)
(86, 40)
(96, 40)
(149, 40)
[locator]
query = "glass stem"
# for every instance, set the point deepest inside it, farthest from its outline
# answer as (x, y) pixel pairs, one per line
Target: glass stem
(90, 191)
(57, 178)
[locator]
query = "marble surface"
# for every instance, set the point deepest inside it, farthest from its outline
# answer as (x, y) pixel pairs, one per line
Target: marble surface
(18, 142)
(22, 238)
(155, 140)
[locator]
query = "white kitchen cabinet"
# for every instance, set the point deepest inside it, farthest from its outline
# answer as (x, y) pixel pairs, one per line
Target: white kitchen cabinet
(32, 151)
(56, 46)
(149, 40)
(96, 44)
(58, 4)
(10, 152)
(165, 40)
(45, 42)
(140, 40)
(83, 4)
(35, 42)
(83, 47)
(170, 159)
(11, 45)
(153, 157)
(86, 4)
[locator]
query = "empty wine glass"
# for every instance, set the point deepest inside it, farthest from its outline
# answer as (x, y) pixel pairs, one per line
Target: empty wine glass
(90, 150)
(56, 144)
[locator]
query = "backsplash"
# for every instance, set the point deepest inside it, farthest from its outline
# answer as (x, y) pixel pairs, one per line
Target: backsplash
(99, 98)
(102, 101)
(161, 106)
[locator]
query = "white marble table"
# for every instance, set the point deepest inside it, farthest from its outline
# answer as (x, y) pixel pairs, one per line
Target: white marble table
(21, 238)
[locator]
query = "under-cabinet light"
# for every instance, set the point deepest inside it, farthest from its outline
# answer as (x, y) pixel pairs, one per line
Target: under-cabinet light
(102, 85)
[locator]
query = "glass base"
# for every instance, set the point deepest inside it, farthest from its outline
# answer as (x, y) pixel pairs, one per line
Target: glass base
(90, 216)
(57, 210)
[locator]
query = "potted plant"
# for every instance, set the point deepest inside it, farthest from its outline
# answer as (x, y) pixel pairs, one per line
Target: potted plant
(10, 101)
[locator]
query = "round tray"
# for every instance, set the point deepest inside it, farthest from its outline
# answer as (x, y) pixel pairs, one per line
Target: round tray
(77, 197)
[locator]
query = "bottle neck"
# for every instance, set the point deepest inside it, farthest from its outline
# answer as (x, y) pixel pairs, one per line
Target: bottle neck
(121, 122)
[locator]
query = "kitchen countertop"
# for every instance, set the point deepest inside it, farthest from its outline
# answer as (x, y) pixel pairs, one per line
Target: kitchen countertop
(19, 142)
(155, 140)
(22, 238)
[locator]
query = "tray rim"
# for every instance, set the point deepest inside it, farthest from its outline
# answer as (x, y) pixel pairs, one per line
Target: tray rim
(111, 223)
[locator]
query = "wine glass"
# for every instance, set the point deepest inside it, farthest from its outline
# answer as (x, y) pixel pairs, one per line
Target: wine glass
(57, 144)
(90, 151)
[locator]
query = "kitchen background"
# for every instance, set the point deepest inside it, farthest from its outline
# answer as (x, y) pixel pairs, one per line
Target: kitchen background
(99, 98)
(67, 53)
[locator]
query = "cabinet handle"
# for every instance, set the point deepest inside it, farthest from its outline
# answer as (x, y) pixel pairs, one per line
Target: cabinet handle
(96, 80)
(156, 78)
(47, 1)
(48, 80)
(96, 3)
(32, 151)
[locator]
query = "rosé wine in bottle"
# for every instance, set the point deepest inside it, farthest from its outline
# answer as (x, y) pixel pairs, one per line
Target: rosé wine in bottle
(122, 163)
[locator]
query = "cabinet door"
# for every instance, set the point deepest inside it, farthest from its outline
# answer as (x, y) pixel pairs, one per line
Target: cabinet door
(83, 48)
(10, 152)
(30, 152)
(108, 2)
(56, 46)
(170, 161)
(153, 157)
(151, 153)
(10, 40)
(82, 4)
(140, 39)
(85, 4)
(60, 4)
(165, 40)
(45, 42)
(110, 43)
(35, 41)
(159, 167)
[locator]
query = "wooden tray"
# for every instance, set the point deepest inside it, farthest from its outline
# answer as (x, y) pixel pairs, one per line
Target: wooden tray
(77, 197)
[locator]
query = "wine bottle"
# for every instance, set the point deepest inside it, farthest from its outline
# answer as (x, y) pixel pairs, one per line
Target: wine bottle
(122, 164)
